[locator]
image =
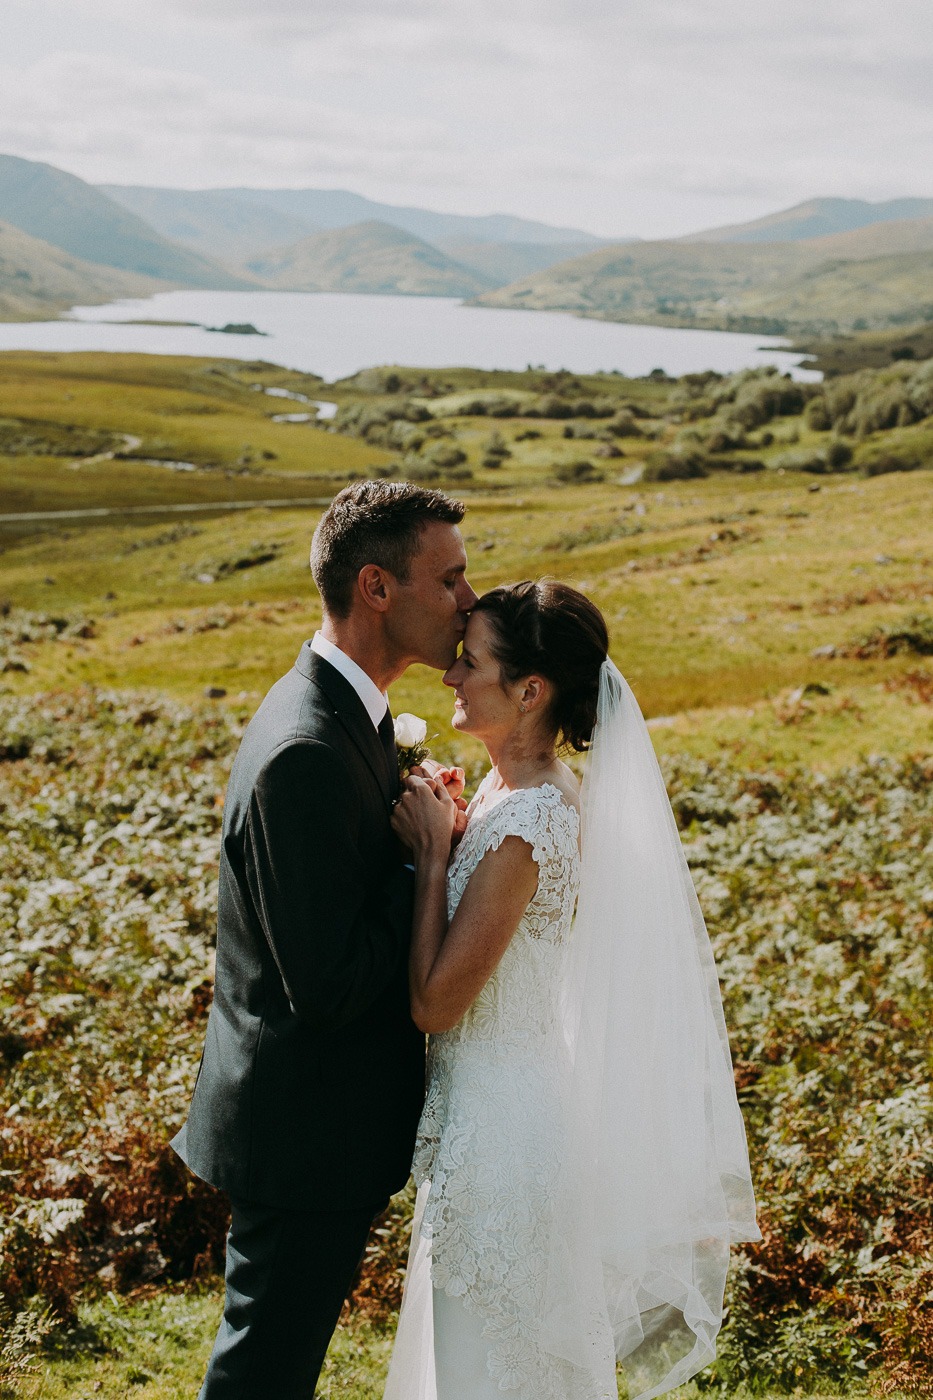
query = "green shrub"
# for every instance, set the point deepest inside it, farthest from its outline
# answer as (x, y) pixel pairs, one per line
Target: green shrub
(676, 466)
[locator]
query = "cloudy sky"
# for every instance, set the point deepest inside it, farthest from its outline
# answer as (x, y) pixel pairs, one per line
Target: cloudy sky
(651, 117)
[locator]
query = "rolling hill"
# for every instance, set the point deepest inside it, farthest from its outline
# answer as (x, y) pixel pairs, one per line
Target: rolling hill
(38, 281)
(369, 257)
(658, 282)
(874, 276)
(60, 209)
(814, 219)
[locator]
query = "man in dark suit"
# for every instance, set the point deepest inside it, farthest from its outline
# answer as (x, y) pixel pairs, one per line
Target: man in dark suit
(312, 1077)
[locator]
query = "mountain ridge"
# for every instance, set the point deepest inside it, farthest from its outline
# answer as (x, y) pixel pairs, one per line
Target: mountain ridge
(320, 210)
(369, 257)
(60, 209)
(815, 218)
(38, 280)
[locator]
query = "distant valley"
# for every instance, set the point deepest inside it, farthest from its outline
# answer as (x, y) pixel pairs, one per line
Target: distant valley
(824, 267)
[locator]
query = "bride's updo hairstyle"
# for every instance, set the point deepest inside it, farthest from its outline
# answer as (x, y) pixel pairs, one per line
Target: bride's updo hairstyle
(550, 629)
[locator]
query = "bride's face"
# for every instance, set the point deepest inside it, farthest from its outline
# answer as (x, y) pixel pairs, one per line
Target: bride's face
(482, 704)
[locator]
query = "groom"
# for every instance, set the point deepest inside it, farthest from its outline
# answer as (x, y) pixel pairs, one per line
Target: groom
(312, 1077)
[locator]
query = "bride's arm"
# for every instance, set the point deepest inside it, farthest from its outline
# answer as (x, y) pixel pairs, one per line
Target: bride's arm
(448, 967)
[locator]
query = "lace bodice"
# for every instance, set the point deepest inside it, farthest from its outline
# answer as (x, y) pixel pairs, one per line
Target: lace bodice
(487, 1141)
(517, 1004)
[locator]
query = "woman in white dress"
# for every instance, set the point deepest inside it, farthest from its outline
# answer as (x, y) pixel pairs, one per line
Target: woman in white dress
(581, 1161)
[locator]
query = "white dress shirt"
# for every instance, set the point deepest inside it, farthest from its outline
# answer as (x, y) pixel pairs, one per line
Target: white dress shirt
(375, 700)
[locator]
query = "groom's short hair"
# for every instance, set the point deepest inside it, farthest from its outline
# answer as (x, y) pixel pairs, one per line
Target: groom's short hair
(373, 522)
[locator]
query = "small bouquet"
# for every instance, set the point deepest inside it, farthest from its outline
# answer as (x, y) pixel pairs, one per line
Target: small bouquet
(410, 742)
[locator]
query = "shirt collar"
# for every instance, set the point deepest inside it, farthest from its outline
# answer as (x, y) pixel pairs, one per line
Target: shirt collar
(375, 701)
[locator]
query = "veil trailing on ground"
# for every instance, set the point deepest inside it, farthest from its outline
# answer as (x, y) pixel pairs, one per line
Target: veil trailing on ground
(656, 1182)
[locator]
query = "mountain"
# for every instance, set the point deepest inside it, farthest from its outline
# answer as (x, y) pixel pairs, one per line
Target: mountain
(652, 282)
(814, 219)
(341, 208)
(62, 210)
(877, 240)
(368, 257)
(38, 281)
(866, 278)
(214, 222)
(501, 263)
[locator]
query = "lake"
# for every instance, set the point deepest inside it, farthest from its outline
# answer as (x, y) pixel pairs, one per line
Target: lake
(335, 335)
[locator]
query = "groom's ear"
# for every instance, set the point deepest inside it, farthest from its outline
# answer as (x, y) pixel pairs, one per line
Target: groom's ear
(373, 583)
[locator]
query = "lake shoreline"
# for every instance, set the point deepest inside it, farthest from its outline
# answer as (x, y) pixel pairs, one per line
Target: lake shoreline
(335, 335)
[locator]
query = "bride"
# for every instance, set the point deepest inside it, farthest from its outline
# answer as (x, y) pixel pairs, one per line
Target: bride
(581, 1160)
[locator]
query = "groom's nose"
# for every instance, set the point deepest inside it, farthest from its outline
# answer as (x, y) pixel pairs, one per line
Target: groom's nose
(466, 598)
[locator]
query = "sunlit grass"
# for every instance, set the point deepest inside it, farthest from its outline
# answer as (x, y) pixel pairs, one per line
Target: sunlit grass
(156, 1348)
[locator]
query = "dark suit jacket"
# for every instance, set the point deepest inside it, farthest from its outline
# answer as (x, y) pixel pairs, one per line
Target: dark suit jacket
(312, 1077)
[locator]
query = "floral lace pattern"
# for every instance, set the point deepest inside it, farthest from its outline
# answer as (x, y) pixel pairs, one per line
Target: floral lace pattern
(487, 1140)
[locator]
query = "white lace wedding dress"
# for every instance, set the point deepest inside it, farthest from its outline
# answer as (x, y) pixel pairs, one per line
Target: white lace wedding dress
(488, 1150)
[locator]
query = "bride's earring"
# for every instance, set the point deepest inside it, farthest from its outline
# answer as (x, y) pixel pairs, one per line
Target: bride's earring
(523, 708)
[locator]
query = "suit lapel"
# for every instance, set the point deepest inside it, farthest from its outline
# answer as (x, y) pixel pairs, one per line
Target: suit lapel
(349, 709)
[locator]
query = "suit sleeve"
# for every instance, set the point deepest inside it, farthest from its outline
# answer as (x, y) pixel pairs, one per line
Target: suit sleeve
(336, 946)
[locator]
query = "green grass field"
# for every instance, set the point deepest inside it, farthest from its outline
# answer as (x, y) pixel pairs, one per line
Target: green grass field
(718, 591)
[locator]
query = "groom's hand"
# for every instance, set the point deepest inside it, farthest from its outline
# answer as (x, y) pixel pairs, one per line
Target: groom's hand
(453, 779)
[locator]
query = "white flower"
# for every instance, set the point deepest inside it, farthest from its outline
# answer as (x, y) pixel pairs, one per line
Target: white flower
(410, 731)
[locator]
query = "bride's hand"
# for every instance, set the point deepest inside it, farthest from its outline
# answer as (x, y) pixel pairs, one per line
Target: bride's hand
(423, 818)
(454, 779)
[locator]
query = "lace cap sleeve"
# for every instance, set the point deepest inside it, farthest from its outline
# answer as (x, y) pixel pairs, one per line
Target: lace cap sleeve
(540, 816)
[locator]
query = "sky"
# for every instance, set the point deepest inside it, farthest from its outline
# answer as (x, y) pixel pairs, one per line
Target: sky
(622, 117)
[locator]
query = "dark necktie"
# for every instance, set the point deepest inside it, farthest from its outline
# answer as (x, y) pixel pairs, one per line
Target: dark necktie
(387, 736)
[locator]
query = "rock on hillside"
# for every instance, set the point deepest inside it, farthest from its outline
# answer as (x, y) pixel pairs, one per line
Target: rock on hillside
(370, 257)
(38, 282)
(72, 215)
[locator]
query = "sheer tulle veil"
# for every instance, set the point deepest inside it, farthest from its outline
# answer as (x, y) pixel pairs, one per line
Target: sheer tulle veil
(656, 1182)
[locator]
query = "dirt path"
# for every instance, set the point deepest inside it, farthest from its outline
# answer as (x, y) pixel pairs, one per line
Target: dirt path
(103, 512)
(130, 444)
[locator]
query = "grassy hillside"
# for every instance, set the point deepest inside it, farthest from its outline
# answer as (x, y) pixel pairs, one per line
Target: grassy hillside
(178, 430)
(843, 354)
(369, 257)
(816, 218)
(744, 502)
(815, 286)
(841, 294)
(38, 281)
(656, 282)
(217, 223)
(70, 214)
